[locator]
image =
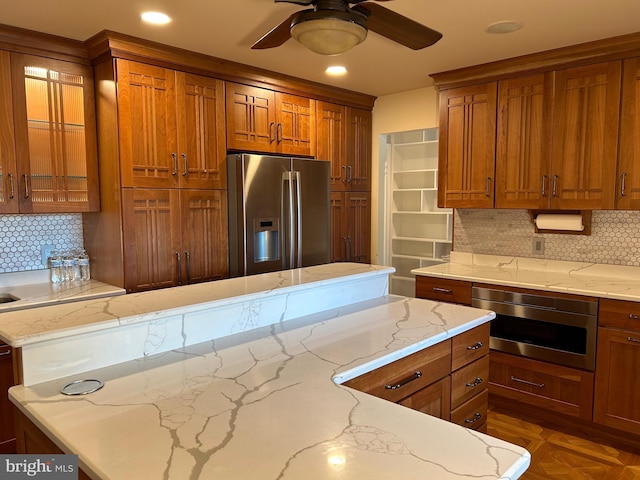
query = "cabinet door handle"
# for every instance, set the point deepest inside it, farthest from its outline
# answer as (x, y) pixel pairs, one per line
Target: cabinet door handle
(179, 269)
(25, 177)
(633, 317)
(442, 290)
(344, 245)
(4, 354)
(416, 375)
(185, 166)
(344, 174)
(544, 186)
(350, 180)
(188, 257)
(279, 133)
(12, 186)
(623, 190)
(487, 186)
(475, 383)
(476, 346)
(175, 164)
(519, 380)
(554, 191)
(272, 132)
(476, 417)
(634, 340)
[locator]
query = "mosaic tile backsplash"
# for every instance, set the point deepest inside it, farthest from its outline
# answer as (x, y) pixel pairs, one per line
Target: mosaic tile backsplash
(614, 239)
(22, 236)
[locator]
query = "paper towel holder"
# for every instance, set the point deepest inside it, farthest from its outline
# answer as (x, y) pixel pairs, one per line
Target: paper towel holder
(586, 221)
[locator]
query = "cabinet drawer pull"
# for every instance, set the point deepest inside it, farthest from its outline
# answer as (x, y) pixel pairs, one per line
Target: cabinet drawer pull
(476, 417)
(477, 346)
(475, 383)
(443, 290)
(416, 375)
(633, 317)
(635, 340)
(516, 379)
(4, 354)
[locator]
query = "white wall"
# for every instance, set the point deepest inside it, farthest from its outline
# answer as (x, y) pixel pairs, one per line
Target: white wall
(412, 110)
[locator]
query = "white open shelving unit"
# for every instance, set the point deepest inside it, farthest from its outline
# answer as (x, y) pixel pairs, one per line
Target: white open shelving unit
(419, 233)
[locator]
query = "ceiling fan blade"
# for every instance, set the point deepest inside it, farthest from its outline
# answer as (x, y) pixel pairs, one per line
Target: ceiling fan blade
(276, 36)
(297, 2)
(397, 27)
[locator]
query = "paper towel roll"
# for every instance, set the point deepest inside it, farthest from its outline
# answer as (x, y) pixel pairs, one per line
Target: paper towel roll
(554, 221)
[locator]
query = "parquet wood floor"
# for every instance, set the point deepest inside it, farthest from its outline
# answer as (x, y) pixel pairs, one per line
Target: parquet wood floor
(560, 455)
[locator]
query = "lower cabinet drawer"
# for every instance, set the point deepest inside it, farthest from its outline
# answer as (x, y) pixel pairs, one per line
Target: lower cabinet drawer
(469, 381)
(443, 290)
(433, 400)
(470, 346)
(473, 413)
(554, 387)
(401, 378)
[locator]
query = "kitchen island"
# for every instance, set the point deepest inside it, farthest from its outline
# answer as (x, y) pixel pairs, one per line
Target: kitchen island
(259, 399)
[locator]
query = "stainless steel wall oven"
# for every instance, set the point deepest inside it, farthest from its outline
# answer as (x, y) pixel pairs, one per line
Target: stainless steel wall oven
(545, 327)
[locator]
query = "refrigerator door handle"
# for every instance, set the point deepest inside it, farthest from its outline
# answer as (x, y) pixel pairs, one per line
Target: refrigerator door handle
(298, 249)
(288, 217)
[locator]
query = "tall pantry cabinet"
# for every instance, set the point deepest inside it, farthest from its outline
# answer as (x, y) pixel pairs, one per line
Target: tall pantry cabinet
(344, 138)
(164, 211)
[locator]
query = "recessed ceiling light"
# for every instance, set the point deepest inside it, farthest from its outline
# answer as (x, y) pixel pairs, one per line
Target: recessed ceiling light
(506, 26)
(336, 70)
(156, 18)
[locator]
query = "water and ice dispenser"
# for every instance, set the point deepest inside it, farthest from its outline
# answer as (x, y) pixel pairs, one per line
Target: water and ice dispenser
(266, 239)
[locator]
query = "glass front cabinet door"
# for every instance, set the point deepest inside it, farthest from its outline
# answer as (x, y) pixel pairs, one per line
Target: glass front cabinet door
(55, 135)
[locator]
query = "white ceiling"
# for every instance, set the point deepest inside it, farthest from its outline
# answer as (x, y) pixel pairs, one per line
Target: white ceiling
(227, 29)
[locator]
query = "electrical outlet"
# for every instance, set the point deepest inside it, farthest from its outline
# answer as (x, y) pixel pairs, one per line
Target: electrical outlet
(538, 246)
(46, 253)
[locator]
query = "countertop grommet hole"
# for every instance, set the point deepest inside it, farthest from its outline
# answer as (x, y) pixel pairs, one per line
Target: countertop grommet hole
(82, 387)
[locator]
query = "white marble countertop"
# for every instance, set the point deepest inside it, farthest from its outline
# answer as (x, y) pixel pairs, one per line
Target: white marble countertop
(33, 289)
(590, 279)
(264, 404)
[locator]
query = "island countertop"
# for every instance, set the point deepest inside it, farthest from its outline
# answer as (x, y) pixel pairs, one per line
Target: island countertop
(267, 403)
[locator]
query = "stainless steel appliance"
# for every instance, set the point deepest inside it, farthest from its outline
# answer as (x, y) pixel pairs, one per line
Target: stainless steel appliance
(545, 327)
(279, 213)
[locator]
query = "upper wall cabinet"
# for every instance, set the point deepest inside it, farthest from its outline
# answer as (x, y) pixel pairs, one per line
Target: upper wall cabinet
(344, 138)
(262, 120)
(171, 128)
(48, 136)
(628, 185)
(557, 138)
(467, 146)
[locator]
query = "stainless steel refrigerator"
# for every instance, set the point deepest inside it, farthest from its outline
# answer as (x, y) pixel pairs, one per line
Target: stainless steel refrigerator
(279, 213)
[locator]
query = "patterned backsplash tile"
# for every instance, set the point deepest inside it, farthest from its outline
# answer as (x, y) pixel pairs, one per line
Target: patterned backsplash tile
(22, 236)
(614, 239)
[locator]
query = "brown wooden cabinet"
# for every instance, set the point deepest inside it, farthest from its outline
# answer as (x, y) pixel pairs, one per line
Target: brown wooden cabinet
(443, 290)
(7, 431)
(174, 237)
(628, 184)
(171, 128)
(617, 391)
(48, 155)
(586, 109)
(350, 227)
(467, 140)
(262, 120)
(344, 138)
(448, 380)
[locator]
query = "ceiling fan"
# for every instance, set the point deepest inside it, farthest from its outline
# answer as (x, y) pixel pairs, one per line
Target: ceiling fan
(335, 26)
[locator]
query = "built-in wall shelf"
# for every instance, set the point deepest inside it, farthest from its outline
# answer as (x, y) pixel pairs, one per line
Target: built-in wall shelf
(419, 233)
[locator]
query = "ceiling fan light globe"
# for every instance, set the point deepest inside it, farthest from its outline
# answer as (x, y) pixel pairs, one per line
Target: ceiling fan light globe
(328, 36)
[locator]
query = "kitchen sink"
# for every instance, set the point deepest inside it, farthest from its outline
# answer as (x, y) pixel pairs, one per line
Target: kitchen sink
(6, 298)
